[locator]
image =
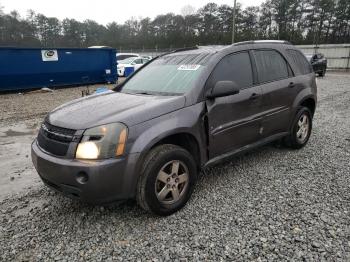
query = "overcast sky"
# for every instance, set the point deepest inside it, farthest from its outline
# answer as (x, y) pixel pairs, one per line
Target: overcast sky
(105, 11)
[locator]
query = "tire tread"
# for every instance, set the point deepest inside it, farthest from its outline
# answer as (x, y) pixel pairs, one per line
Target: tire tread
(150, 159)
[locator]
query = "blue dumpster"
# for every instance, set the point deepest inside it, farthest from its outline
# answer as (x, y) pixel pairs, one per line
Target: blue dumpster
(29, 68)
(129, 70)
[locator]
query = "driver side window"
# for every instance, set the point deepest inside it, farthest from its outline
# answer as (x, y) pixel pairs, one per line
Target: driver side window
(234, 67)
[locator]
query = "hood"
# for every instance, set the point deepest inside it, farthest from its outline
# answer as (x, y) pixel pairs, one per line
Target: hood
(113, 107)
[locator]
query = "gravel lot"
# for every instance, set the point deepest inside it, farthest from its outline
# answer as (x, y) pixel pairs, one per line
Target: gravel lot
(271, 204)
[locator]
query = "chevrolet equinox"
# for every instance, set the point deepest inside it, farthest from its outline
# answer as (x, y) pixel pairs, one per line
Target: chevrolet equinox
(149, 137)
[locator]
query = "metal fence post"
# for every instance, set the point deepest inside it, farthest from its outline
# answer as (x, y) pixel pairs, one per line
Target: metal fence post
(348, 64)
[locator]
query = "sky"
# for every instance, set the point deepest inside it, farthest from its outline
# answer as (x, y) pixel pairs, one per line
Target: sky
(107, 11)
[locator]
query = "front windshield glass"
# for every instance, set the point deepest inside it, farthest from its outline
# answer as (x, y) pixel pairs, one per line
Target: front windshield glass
(168, 75)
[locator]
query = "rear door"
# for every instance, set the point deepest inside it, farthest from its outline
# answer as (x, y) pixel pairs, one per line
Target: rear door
(233, 120)
(279, 90)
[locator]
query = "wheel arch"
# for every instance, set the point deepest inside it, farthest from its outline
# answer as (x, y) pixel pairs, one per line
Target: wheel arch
(179, 137)
(310, 103)
(185, 140)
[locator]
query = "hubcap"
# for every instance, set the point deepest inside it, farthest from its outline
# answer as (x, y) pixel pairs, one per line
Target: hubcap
(171, 182)
(303, 128)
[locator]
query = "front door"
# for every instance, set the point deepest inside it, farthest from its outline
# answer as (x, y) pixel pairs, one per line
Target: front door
(234, 120)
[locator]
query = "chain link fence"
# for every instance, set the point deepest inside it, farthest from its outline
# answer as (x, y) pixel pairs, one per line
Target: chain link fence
(338, 55)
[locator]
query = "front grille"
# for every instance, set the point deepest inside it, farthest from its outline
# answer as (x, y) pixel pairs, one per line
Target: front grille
(57, 133)
(54, 139)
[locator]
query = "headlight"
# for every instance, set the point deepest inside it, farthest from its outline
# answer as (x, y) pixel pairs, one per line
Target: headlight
(103, 142)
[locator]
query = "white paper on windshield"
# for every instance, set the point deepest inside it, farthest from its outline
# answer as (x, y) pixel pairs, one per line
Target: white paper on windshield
(189, 67)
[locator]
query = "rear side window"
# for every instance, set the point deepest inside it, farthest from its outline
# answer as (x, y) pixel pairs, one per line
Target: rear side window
(271, 65)
(300, 60)
(235, 67)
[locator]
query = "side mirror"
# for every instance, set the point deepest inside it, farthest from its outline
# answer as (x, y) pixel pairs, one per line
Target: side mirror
(223, 88)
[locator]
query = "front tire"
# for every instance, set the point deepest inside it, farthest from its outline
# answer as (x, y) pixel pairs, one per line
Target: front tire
(301, 129)
(167, 180)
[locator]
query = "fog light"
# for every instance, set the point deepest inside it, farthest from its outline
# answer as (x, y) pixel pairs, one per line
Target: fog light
(82, 178)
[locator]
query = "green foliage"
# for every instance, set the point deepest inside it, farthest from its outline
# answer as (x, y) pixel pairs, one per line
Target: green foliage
(299, 21)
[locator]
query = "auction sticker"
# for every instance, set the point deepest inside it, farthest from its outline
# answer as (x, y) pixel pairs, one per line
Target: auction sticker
(189, 67)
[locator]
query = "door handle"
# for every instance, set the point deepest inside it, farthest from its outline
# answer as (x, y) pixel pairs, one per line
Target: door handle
(291, 85)
(254, 96)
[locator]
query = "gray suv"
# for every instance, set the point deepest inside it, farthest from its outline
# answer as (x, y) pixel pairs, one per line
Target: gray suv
(149, 138)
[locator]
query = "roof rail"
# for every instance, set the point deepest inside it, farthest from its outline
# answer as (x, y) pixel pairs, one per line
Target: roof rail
(263, 42)
(185, 49)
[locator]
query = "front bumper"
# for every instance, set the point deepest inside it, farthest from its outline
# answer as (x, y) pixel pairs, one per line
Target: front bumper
(107, 180)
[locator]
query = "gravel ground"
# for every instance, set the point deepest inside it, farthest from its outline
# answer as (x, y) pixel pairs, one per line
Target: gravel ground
(270, 204)
(35, 105)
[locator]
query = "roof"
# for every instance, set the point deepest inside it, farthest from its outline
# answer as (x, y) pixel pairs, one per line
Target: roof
(201, 54)
(216, 48)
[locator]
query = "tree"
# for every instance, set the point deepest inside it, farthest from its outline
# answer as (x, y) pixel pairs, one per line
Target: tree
(210, 24)
(93, 33)
(250, 23)
(299, 21)
(73, 33)
(341, 28)
(266, 21)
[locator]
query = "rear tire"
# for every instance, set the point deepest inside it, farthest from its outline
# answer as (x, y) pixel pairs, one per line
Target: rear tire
(167, 180)
(301, 129)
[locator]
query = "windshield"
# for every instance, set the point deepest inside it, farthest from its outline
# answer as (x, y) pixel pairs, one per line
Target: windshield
(172, 75)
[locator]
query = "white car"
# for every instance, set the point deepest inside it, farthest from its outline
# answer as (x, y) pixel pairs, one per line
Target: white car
(135, 62)
(122, 56)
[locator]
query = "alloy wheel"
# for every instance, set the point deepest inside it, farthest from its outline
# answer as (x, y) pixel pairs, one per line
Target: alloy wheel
(303, 128)
(172, 182)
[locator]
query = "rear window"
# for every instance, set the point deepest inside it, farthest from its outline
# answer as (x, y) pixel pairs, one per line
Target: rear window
(271, 66)
(300, 60)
